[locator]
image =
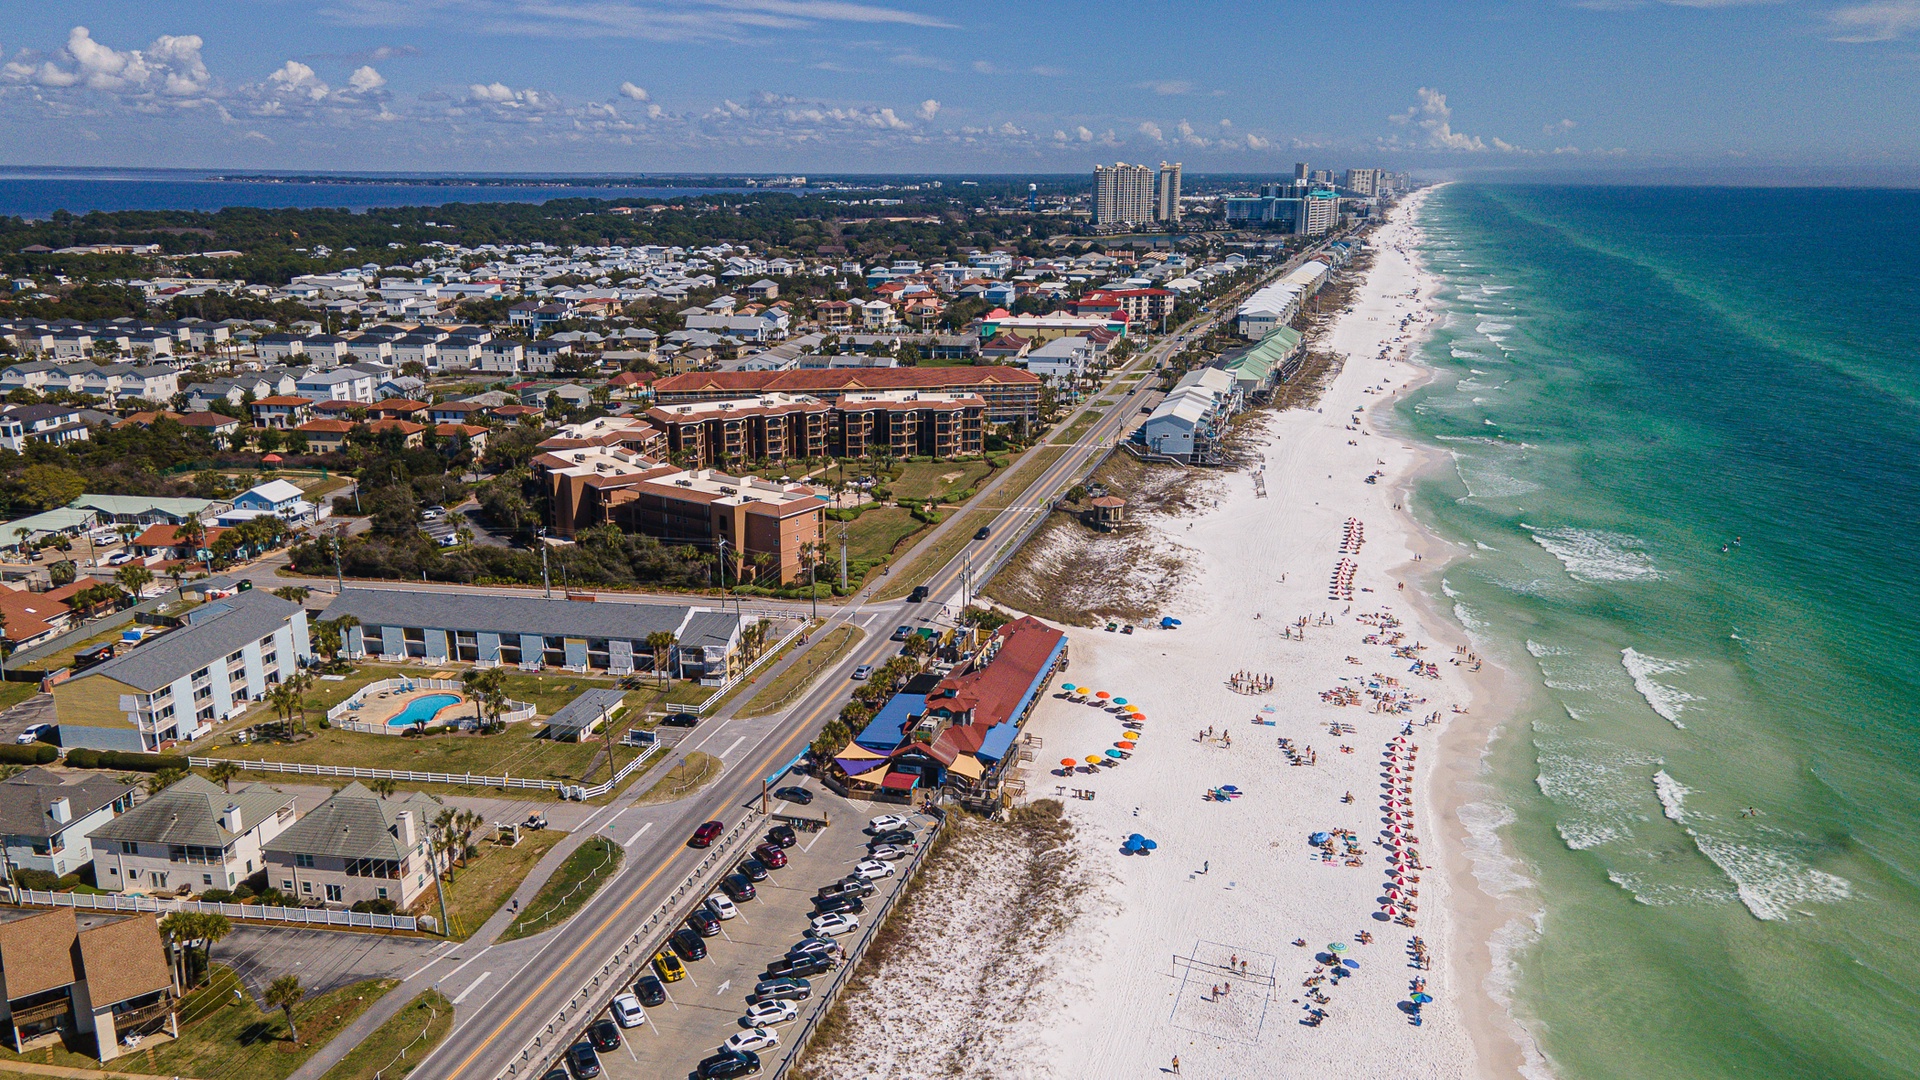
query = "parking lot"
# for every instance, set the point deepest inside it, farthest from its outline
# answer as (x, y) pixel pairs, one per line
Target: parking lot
(705, 1008)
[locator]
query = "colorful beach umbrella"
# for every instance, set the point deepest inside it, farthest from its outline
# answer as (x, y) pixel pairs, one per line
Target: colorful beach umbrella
(1338, 947)
(1068, 762)
(1103, 695)
(1119, 701)
(1125, 744)
(1093, 759)
(1067, 686)
(1115, 755)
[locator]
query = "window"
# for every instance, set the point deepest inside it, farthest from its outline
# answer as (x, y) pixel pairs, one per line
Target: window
(115, 871)
(237, 657)
(307, 887)
(286, 885)
(305, 862)
(333, 892)
(206, 879)
(380, 894)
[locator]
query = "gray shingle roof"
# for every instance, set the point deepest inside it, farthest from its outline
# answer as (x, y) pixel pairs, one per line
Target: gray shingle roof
(706, 628)
(513, 615)
(26, 800)
(189, 813)
(584, 711)
(356, 824)
(207, 639)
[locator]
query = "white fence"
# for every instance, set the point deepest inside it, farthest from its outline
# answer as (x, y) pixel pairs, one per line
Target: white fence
(337, 716)
(285, 915)
(457, 779)
(766, 654)
(597, 790)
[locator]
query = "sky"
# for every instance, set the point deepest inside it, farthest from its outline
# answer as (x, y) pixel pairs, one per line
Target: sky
(823, 86)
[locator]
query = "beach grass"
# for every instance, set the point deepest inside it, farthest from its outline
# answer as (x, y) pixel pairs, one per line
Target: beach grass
(590, 866)
(939, 479)
(932, 557)
(398, 1046)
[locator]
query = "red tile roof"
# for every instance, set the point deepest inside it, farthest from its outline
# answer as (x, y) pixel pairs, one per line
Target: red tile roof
(992, 693)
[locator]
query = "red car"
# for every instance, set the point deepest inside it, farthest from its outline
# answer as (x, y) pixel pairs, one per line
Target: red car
(706, 834)
(771, 855)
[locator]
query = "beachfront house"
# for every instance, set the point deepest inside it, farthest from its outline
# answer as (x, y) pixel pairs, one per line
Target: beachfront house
(192, 837)
(356, 848)
(106, 983)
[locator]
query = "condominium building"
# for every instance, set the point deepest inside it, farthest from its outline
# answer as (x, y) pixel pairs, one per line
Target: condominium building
(1363, 181)
(1166, 195)
(192, 837)
(1012, 395)
(1322, 211)
(1123, 193)
(908, 423)
(177, 685)
(770, 427)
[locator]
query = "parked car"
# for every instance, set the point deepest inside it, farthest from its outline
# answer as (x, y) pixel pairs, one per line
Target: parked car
(704, 922)
(815, 947)
(450, 540)
(791, 966)
(118, 558)
(857, 886)
(782, 990)
(845, 903)
(901, 633)
(722, 907)
(888, 852)
(832, 925)
(707, 834)
(741, 889)
(688, 945)
(31, 734)
(668, 966)
(432, 514)
(892, 836)
(729, 1063)
(604, 1036)
(794, 794)
(556, 1074)
(584, 1062)
(873, 868)
(680, 719)
(752, 869)
(627, 1011)
(887, 823)
(783, 835)
(650, 990)
(763, 1013)
(754, 1038)
(771, 855)
(863, 671)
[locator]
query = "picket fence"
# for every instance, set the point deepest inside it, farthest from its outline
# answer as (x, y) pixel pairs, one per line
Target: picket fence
(359, 920)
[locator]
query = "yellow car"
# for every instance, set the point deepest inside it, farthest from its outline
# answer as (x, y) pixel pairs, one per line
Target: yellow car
(668, 966)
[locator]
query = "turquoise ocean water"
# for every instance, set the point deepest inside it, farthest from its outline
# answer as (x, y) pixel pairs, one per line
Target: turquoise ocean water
(1713, 789)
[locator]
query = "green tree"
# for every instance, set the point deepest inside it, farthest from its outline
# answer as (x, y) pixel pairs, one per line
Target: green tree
(661, 642)
(296, 593)
(284, 993)
(164, 779)
(830, 740)
(224, 773)
(384, 787)
(50, 486)
(133, 578)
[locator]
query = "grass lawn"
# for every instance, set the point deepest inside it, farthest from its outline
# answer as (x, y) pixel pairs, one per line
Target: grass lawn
(229, 1038)
(1072, 432)
(479, 888)
(761, 666)
(822, 654)
(876, 534)
(932, 557)
(568, 890)
(400, 1044)
(514, 752)
(939, 479)
(14, 693)
(1032, 464)
(688, 776)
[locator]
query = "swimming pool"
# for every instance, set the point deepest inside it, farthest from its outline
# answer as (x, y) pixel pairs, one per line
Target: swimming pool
(421, 710)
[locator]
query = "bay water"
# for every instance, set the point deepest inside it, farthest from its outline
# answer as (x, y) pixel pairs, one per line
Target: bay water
(1685, 434)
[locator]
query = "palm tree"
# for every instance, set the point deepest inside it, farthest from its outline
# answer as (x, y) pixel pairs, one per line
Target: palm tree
(134, 579)
(383, 787)
(178, 927)
(296, 593)
(127, 532)
(662, 642)
(224, 773)
(212, 926)
(164, 779)
(284, 993)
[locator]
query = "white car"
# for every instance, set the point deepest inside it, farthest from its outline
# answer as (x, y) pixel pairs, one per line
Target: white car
(872, 869)
(816, 947)
(118, 558)
(763, 1013)
(721, 907)
(886, 822)
(757, 1038)
(888, 852)
(627, 1011)
(833, 925)
(432, 515)
(450, 540)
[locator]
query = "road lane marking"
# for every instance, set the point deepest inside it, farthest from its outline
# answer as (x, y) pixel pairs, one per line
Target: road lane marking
(472, 986)
(637, 834)
(735, 746)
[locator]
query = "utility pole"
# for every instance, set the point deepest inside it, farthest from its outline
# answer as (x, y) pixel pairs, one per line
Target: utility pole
(546, 582)
(339, 579)
(843, 559)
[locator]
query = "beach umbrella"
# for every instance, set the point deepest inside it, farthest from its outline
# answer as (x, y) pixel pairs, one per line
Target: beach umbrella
(1093, 759)
(1119, 701)
(1103, 695)
(1067, 686)
(1337, 947)
(1069, 762)
(1422, 998)
(1115, 754)
(1124, 744)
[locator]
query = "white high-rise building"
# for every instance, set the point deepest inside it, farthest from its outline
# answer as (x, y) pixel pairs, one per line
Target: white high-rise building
(1122, 193)
(1166, 196)
(1363, 181)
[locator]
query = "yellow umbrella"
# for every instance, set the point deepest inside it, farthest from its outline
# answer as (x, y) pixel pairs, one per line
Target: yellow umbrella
(1093, 759)
(1133, 708)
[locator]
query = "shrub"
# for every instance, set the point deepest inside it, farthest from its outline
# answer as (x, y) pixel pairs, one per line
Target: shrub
(38, 880)
(217, 896)
(243, 892)
(82, 758)
(376, 907)
(37, 754)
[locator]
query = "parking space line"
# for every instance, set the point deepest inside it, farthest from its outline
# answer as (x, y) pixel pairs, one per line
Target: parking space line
(637, 834)
(817, 834)
(472, 986)
(735, 746)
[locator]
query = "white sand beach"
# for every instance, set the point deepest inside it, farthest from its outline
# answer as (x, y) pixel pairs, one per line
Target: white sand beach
(1190, 950)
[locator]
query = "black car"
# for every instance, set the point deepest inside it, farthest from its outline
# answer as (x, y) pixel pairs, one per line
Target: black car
(901, 633)
(783, 835)
(798, 966)
(918, 595)
(583, 1061)
(738, 888)
(604, 1036)
(688, 944)
(703, 923)
(556, 1074)
(892, 836)
(794, 794)
(679, 719)
(650, 990)
(730, 1063)
(853, 887)
(846, 902)
(985, 531)
(754, 869)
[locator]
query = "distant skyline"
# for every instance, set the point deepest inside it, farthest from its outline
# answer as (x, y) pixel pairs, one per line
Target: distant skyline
(851, 86)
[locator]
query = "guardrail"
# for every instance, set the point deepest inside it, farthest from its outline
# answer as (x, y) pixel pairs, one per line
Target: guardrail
(292, 916)
(351, 772)
(618, 972)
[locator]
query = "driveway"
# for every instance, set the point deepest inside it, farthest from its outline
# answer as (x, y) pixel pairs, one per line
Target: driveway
(324, 959)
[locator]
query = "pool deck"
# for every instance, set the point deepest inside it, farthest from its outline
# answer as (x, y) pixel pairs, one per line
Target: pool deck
(380, 707)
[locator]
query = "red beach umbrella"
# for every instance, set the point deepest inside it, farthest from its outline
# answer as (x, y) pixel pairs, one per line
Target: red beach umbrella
(1103, 695)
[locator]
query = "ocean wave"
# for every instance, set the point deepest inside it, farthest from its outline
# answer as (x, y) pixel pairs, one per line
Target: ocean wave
(1468, 617)
(1669, 894)
(1498, 873)
(1505, 947)
(1483, 547)
(1484, 481)
(1666, 700)
(1673, 796)
(1538, 650)
(1597, 555)
(1463, 354)
(1581, 835)
(1768, 881)
(1490, 327)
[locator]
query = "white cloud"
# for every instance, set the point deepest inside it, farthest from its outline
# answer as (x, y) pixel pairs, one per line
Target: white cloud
(1434, 117)
(1255, 142)
(984, 67)
(1883, 21)
(1167, 87)
(298, 79)
(1560, 127)
(365, 80)
(928, 109)
(1083, 134)
(1152, 131)
(169, 68)
(628, 90)
(685, 20)
(500, 92)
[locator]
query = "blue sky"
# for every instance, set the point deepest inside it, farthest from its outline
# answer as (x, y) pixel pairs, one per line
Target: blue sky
(904, 85)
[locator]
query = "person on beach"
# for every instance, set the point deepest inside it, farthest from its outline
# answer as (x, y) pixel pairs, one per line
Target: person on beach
(1176, 1064)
